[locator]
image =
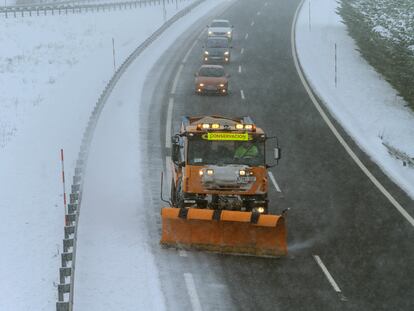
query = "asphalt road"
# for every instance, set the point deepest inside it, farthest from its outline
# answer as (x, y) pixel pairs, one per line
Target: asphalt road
(336, 213)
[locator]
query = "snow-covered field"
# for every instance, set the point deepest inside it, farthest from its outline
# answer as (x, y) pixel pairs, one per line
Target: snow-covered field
(52, 70)
(362, 101)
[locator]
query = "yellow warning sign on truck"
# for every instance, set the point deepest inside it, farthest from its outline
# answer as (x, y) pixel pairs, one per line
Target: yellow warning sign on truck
(227, 136)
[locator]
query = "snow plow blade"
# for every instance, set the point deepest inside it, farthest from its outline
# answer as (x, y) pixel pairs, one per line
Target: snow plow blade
(228, 232)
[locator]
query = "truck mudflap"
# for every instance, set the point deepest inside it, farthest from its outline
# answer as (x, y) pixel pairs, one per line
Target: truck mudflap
(228, 232)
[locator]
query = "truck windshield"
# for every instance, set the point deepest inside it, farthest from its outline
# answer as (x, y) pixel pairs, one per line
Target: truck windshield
(202, 152)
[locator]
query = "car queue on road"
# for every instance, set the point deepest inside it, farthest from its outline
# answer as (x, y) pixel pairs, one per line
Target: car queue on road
(211, 77)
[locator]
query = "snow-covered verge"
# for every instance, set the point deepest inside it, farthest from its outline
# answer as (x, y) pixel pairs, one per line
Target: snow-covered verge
(384, 33)
(52, 70)
(366, 105)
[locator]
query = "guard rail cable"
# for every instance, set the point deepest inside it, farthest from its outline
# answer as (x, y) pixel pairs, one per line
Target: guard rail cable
(66, 8)
(68, 256)
(399, 155)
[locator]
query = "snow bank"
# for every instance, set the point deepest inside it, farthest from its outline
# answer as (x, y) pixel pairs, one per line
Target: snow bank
(363, 102)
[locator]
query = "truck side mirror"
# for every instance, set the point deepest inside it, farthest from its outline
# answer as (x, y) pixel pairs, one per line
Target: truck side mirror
(277, 153)
(175, 149)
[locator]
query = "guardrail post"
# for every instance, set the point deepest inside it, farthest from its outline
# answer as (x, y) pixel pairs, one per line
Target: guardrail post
(67, 243)
(63, 289)
(65, 257)
(69, 230)
(62, 306)
(63, 273)
(74, 197)
(72, 208)
(70, 219)
(76, 179)
(75, 187)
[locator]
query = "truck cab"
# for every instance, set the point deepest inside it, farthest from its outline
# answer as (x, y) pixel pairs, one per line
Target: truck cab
(220, 163)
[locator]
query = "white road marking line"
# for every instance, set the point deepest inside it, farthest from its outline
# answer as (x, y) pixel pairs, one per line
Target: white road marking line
(273, 179)
(239, 68)
(192, 292)
(246, 36)
(327, 274)
(242, 94)
(201, 33)
(189, 51)
(242, 51)
(177, 76)
(338, 136)
(182, 253)
(252, 23)
(168, 125)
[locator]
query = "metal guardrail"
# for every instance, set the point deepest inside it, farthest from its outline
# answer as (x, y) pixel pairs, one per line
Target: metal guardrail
(399, 155)
(68, 257)
(73, 7)
(31, 3)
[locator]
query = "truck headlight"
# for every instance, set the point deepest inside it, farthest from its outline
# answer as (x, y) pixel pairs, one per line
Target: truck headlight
(200, 172)
(260, 209)
(210, 172)
(201, 85)
(229, 33)
(206, 52)
(226, 53)
(221, 85)
(242, 173)
(210, 32)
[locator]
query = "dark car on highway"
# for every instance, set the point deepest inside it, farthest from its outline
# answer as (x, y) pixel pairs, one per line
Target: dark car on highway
(216, 50)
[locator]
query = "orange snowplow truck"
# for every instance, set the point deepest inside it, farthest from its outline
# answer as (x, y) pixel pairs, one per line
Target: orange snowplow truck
(219, 189)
